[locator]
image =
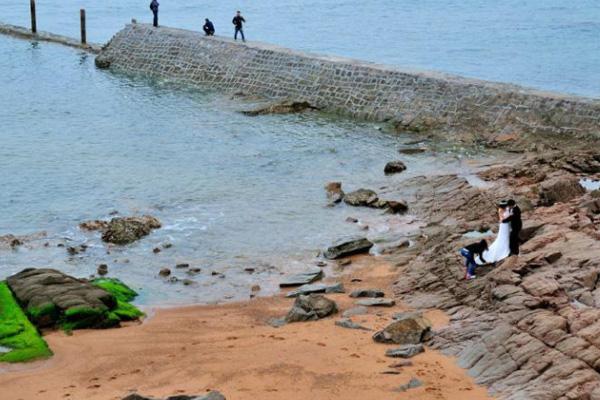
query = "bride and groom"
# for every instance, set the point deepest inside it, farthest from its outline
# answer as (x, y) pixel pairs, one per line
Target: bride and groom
(506, 243)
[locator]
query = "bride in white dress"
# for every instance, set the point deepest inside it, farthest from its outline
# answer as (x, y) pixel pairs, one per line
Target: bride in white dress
(500, 249)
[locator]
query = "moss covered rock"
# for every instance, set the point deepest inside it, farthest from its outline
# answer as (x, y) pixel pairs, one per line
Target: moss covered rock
(17, 334)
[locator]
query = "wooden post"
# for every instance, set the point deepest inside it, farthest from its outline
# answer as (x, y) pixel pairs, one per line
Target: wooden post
(33, 21)
(82, 17)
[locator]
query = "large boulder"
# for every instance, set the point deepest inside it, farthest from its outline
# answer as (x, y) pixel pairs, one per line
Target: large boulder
(124, 230)
(560, 189)
(348, 246)
(50, 297)
(412, 329)
(311, 307)
(361, 197)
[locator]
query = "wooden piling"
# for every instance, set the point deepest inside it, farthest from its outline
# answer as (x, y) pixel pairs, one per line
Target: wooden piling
(83, 33)
(33, 20)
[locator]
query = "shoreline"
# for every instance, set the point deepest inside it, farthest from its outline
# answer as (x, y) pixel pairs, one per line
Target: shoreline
(246, 357)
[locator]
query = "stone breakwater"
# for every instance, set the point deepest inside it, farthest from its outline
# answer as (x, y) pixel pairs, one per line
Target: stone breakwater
(25, 33)
(413, 100)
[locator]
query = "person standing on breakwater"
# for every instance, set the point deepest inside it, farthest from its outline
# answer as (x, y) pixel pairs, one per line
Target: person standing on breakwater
(154, 7)
(208, 28)
(238, 20)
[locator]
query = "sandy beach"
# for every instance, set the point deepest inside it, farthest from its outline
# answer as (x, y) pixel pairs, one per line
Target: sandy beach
(232, 348)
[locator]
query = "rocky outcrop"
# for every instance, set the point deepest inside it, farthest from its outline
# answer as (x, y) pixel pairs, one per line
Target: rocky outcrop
(125, 230)
(361, 198)
(560, 189)
(394, 167)
(51, 298)
(347, 247)
(311, 307)
(409, 330)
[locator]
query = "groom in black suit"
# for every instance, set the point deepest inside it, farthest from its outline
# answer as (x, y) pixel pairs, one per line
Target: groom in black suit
(515, 226)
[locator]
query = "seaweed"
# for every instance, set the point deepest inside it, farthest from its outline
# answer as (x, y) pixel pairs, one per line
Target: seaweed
(17, 332)
(124, 294)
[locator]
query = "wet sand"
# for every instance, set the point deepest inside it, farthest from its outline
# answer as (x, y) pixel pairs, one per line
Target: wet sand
(232, 349)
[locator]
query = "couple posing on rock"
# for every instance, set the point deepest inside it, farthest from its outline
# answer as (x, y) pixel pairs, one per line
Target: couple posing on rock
(506, 243)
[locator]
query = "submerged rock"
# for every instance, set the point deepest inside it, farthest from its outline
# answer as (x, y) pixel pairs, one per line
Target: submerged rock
(94, 225)
(283, 107)
(311, 307)
(394, 167)
(348, 246)
(124, 230)
(334, 191)
(410, 330)
(302, 278)
(361, 197)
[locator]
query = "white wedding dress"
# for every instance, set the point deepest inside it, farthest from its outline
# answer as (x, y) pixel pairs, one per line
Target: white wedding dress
(500, 249)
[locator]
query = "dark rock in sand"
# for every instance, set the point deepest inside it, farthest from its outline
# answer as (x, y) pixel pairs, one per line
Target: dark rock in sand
(379, 302)
(413, 383)
(126, 230)
(361, 197)
(316, 288)
(348, 246)
(347, 323)
(367, 293)
(212, 395)
(560, 189)
(102, 269)
(411, 330)
(303, 278)
(164, 272)
(255, 288)
(283, 107)
(394, 167)
(193, 271)
(405, 351)
(335, 194)
(48, 295)
(182, 265)
(311, 307)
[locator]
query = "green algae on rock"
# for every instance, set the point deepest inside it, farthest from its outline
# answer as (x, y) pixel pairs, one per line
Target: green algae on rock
(17, 333)
(124, 294)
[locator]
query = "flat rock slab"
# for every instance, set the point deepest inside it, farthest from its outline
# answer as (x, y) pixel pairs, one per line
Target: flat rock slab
(317, 288)
(360, 310)
(348, 323)
(347, 247)
(212, 395)
(367, 293)
(48, 295)
(310, 308)
(377, 302)
(406, 351)
(303, 278)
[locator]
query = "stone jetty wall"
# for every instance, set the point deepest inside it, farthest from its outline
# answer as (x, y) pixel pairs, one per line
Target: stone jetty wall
(415, 100)
(25, 33)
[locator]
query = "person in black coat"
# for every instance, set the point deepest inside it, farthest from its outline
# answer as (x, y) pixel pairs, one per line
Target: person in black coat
(516, 224)
(238, 21)
(154, 7)
(469, 253)
(209, 28)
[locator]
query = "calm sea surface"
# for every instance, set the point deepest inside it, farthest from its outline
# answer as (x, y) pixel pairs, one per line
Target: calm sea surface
(236, 192)
(548, 44)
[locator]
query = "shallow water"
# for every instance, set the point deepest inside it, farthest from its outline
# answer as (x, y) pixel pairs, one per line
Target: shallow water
(232, 191)
(548, 44)
(590, 184)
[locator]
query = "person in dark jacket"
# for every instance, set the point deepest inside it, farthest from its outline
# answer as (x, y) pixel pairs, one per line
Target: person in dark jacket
(209, 28)
(238, 20)
(469, 253)
(516, 224)
(154, 7)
